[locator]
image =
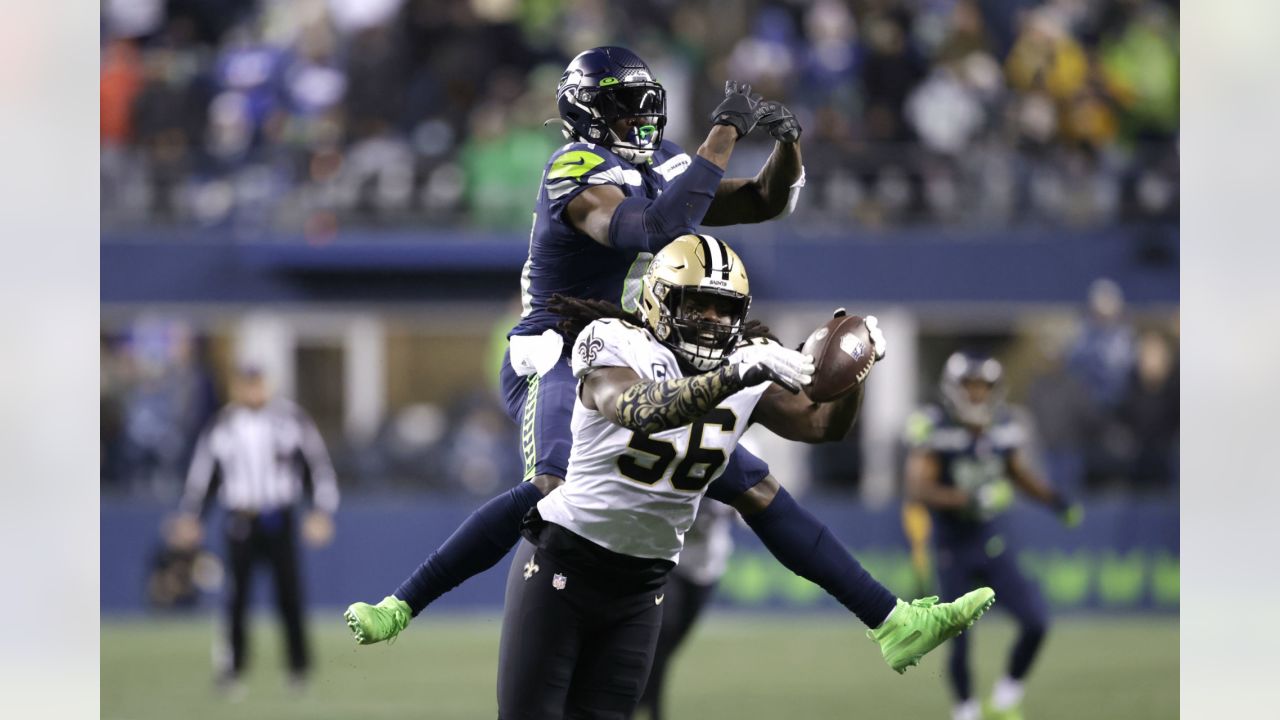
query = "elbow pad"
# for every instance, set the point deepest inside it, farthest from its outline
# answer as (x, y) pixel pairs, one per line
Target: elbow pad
(641, 225)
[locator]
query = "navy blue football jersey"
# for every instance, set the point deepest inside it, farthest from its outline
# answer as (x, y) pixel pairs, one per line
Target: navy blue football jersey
(968, 460)
(565, 261)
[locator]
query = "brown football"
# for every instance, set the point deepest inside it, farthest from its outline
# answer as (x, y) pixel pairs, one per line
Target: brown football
(842, 356)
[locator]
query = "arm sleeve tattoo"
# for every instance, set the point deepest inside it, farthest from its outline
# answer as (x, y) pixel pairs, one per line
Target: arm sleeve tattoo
(658, 405)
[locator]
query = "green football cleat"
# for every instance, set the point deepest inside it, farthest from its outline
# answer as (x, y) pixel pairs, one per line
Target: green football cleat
(375, 623)
(913, 630)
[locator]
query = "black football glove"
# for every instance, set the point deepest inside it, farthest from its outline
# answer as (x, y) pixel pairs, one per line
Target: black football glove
(779, 121)
(739, 109)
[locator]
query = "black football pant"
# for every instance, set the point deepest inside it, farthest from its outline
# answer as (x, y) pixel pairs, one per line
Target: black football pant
(684, 603)
(270, 538)
(579, 629)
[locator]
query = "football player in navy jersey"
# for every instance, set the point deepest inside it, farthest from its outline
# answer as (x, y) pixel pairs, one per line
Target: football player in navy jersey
(608, 200)
(966, 455)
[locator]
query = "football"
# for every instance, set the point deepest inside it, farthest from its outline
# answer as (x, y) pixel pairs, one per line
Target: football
(842, 356)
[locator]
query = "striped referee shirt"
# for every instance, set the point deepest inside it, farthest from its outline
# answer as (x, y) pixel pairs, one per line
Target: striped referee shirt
(260, 460)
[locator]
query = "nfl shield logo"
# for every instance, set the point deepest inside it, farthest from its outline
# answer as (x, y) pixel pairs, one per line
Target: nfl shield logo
(557, 581)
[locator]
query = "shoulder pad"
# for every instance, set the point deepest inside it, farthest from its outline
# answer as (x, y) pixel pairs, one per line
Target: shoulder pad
(578, 165)
(604, 343)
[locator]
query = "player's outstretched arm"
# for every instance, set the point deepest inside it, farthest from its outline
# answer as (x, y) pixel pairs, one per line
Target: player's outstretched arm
(773, 192)
(1033, 485)
(626, 399)
(605, 214)
(796, 417)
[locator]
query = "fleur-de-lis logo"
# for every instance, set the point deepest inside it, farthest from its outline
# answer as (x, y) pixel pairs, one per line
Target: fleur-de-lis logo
(590, 347)
(530, 568)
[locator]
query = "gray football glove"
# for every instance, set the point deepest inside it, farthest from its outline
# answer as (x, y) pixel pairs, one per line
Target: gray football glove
(779, 121)
(738, 109)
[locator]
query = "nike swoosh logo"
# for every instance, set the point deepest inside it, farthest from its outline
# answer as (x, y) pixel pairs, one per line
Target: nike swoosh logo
(657, 599)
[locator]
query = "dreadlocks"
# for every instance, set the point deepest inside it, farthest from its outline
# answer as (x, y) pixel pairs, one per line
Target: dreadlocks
(577, 313)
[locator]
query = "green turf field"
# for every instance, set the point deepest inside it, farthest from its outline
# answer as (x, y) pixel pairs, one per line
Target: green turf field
(735, 666)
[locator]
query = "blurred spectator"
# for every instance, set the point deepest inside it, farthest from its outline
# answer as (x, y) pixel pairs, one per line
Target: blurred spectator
(505, 155)
(480, 459)
(891, 69)
(1141, 68)
(1152, 411)
(159, 394)
(1102, 359)
(1064, 418)
(1103, 354)
(121, 79)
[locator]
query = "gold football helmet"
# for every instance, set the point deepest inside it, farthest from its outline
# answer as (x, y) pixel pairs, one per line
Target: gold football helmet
(684, 278)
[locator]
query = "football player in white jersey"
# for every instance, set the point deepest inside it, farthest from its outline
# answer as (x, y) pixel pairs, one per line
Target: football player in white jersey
(663, 397)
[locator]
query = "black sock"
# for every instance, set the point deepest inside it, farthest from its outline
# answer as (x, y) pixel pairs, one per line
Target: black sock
(807, 548)
(478, 544)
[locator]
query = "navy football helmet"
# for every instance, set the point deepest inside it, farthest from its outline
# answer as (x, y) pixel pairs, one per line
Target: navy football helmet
(607, 84)
(962, 368)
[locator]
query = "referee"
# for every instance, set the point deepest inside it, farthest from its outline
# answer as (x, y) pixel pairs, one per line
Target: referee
(256, 458)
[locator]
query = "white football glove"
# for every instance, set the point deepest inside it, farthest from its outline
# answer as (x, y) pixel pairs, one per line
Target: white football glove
(873, 330)
(760, 362)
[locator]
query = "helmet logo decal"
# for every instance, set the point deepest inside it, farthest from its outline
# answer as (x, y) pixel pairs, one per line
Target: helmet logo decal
(608, 81)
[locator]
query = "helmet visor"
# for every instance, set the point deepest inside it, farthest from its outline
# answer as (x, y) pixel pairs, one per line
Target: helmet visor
(646, 100)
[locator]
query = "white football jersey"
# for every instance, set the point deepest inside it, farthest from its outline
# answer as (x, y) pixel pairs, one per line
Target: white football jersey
(632, 492)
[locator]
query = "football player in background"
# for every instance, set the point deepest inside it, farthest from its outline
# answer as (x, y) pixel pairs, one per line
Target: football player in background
(963, 455)
(703, 561)
(663, 397)
(614, 195)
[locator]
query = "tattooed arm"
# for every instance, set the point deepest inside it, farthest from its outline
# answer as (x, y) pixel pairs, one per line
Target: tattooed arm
(652, 406)
(656, 405)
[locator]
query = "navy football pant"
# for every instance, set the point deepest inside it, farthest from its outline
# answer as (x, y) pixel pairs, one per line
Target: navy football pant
(964, 567)
(578, 636)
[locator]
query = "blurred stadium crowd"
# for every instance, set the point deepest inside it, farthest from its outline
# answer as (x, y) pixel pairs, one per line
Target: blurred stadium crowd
(263, 118)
